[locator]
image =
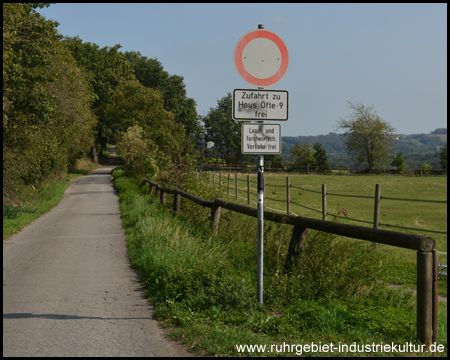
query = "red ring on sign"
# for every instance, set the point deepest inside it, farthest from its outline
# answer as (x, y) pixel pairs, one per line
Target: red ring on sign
(243, 42)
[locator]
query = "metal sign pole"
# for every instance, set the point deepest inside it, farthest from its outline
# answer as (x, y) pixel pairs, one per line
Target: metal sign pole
(255, 64)
(260, 223)
(260, 232)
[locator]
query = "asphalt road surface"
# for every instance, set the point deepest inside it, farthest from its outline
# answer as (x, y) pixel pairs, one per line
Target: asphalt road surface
(68, 289)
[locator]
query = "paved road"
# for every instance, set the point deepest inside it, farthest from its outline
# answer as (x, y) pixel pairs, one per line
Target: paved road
(68, 289)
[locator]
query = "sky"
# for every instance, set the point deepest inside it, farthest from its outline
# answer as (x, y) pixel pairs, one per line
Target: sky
(389, 56)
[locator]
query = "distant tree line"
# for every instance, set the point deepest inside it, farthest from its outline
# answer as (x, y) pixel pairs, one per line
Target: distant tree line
(368, 141)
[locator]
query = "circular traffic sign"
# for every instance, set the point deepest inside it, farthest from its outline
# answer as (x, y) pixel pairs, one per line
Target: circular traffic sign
(261, 58)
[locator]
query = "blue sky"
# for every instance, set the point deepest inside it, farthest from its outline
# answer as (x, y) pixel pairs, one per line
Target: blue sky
(391, 56)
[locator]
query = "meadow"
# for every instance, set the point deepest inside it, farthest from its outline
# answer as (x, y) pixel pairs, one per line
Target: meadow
(353, 197)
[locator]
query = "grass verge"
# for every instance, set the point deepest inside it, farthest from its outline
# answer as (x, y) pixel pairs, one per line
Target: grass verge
(204, 286)
(41, 200)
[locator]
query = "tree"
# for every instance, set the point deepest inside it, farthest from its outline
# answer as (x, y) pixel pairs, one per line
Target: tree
(138, 154)
(302, 156)
(443, 157)
(276, 161)
(321, 158)
(151, 74)
(399, 162)
(368, 137)
(27, 39)
(425, 168)
(440, 131)
(107, 68)
(133, 104)
(47, 121)
(221, 129)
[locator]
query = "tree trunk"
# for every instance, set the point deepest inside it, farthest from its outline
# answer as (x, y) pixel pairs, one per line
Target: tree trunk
(94, 154)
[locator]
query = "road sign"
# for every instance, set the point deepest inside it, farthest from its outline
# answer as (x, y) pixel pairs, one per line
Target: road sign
(261, 58)
(261, 138)
(250, 104)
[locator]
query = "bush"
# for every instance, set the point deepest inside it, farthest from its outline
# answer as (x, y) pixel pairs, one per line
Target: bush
(138, 154)
(426, 169)
(399, 163)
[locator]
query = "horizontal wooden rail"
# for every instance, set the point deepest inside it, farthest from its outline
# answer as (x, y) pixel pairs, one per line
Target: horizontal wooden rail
(408, 241)
(196, 199)
(387, 237)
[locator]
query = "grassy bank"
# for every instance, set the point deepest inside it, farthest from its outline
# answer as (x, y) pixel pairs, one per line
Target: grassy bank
(42, 200)
(357, 202)
(204, 286)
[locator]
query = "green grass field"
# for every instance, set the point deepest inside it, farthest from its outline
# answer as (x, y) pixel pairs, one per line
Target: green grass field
(402, 215)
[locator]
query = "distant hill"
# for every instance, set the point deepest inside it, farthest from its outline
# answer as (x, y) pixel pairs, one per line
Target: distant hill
(416, 148)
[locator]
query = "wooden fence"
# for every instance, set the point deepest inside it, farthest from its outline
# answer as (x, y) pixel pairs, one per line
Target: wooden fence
(427, 257)
(377, 199)
(334, 170)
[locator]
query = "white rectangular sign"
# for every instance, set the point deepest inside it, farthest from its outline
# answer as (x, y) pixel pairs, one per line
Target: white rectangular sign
(261, 105)
(261, 138)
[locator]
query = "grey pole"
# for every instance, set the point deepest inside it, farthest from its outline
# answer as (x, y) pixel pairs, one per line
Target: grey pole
(260, 223)
(260, 232)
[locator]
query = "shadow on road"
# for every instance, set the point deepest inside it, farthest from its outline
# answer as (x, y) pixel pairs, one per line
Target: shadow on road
(64, 317)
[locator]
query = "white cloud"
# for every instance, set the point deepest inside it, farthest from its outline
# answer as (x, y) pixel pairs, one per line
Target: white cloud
(278, 18)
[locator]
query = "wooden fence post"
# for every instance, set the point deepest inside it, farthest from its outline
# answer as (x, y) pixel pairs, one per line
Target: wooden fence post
(288, 195)
(215, 216)
(214, 178)
(248, 189)
(228, 187)
(435, 295)
(236, 178)
(424, 297)
(220, 179)
(376, 215)
(163, 197)
(296, 245)
(324, 202)
(176, 202)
